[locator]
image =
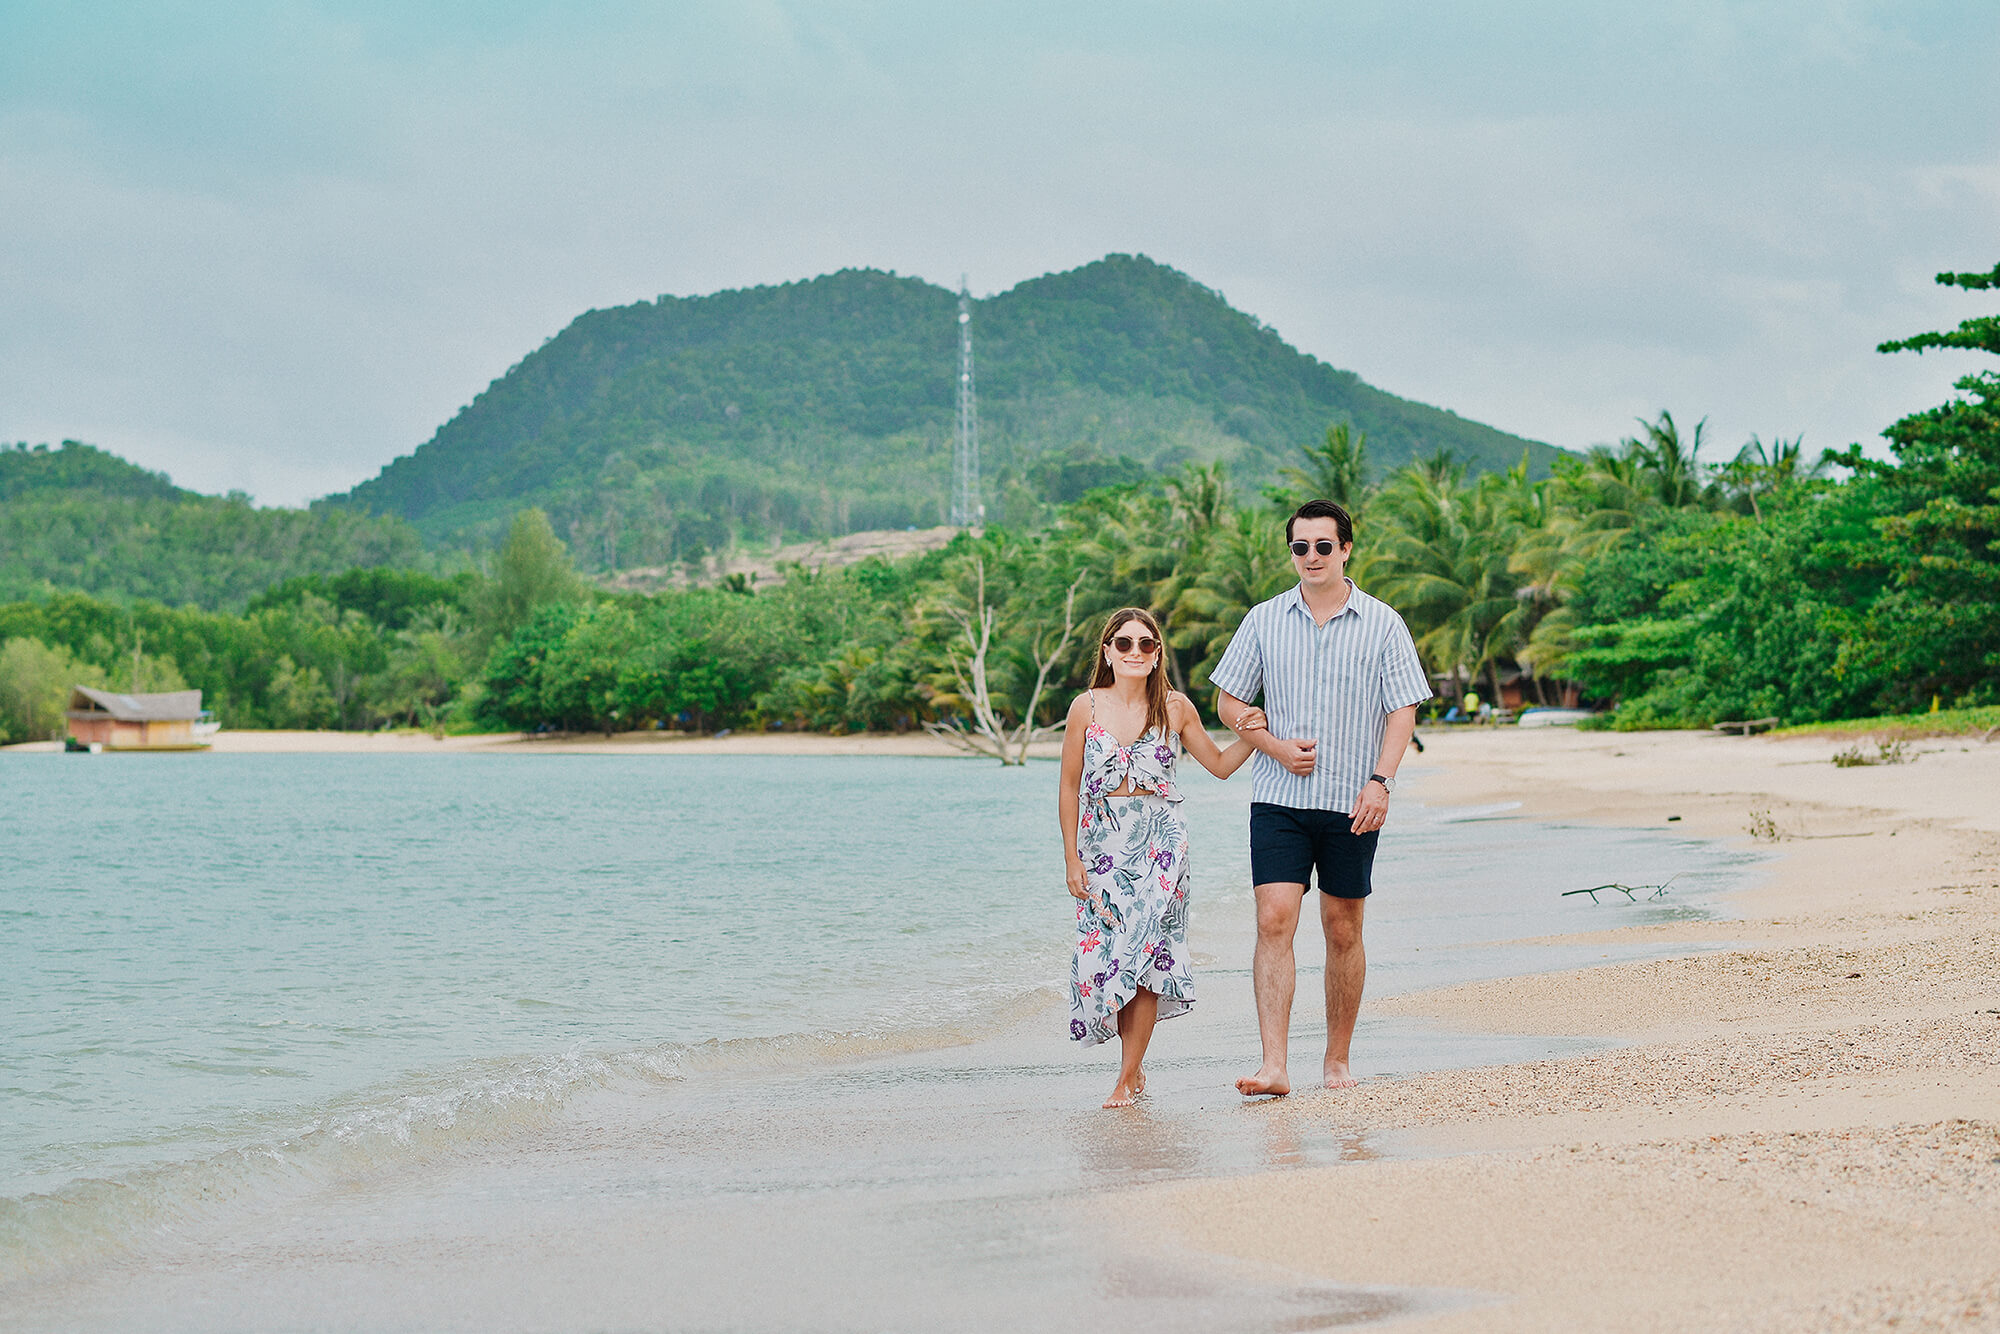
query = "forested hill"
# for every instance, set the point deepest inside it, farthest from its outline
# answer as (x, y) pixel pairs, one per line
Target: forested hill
(41, 472)
(654, 431)
(78, 518)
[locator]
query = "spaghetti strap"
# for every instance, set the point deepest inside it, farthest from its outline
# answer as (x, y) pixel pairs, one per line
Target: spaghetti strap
(1093, 704)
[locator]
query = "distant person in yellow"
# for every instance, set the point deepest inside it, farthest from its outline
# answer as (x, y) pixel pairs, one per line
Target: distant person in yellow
(1125, 847)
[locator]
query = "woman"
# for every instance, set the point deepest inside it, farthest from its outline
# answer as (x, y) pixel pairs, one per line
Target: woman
(1125, 846)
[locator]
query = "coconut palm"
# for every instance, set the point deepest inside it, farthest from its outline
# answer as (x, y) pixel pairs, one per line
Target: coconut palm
(1440, 558)
(1245, 564)
(1759, 469)
(1336, 470)
(1670, 464)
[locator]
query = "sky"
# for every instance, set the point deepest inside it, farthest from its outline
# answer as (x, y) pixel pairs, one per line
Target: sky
(271, 246)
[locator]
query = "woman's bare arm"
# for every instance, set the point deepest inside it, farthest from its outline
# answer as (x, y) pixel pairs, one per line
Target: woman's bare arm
(1186, 719)
(1068, 803)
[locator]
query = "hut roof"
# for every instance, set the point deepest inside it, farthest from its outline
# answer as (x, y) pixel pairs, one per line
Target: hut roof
(172, 706)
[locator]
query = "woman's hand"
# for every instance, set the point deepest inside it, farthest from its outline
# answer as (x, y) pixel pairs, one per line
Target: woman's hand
(1250, 720)
(1079, 887)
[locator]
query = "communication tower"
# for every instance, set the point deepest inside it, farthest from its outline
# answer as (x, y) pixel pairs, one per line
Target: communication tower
(966, 510)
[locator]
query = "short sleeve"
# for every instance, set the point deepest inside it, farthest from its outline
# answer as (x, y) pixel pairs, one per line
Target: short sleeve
(1404, 681)
(1241, 671)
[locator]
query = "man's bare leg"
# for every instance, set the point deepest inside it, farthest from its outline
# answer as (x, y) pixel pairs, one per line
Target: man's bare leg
(1136, 1019)
(1274, 974)
(1346, 971)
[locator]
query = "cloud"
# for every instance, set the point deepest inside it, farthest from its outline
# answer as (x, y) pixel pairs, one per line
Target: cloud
(274, 247)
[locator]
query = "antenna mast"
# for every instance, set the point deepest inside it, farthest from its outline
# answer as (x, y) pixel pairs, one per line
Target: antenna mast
(966, 511)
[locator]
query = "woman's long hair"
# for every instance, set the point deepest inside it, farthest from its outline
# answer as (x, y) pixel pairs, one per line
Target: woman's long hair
(1156, 680)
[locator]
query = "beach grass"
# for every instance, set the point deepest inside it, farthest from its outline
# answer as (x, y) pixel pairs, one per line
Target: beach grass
(1983, 722)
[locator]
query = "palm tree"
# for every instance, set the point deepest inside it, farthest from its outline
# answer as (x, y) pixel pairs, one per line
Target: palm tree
(1245, 564)
(1673, 467)
(1759, 469)
(1336, 470)
(1442, 561)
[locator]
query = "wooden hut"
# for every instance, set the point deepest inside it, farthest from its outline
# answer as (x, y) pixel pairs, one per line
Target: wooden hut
(170, 721)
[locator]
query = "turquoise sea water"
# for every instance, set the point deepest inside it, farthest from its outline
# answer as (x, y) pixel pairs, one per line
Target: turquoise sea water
(216, 970)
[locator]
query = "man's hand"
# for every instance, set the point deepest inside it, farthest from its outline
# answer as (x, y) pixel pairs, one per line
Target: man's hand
(1297, 756)
(1371, 808)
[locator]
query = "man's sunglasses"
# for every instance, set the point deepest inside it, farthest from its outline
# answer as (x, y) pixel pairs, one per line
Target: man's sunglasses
(1124, 643)
(1326, 546)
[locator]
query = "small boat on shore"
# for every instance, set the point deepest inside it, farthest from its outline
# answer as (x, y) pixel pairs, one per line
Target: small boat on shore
(1552, 717)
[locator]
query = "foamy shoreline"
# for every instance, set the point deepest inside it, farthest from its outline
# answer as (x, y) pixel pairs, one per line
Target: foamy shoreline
(1805, 1132)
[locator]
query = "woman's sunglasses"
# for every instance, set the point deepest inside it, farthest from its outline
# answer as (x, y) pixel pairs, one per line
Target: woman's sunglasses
(1125, 643)
(1325, 546)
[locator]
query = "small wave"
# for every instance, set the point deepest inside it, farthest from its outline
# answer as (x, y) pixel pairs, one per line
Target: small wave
(1465, 814)
(433, 1116)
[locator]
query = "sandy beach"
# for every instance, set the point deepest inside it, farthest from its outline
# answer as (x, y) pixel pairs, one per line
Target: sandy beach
(1803, 1131)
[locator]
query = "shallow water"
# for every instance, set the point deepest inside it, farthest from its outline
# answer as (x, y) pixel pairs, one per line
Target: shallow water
(228, 980)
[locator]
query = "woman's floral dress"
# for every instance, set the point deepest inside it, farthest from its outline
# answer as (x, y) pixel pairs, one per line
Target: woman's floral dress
(1132, 930)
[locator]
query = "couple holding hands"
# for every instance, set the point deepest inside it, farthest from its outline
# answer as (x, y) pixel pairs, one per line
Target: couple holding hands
(1340, 682)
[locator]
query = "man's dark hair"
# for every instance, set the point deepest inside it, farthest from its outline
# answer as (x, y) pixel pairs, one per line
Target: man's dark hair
(1323, 509)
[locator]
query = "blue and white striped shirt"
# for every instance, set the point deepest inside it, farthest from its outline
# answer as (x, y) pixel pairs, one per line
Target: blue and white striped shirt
(1335, 684)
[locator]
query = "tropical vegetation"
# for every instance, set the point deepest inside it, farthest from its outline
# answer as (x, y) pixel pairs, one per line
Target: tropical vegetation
(77, 518)
(1667, 586)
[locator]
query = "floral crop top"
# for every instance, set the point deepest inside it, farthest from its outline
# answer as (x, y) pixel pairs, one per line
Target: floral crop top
(1147, 762)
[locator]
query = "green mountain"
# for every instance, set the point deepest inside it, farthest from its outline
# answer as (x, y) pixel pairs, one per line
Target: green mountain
(654, 431)
(79, 518)
(31, 474)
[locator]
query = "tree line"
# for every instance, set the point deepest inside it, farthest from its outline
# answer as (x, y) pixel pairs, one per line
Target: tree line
(78, 519)
(1673, 587)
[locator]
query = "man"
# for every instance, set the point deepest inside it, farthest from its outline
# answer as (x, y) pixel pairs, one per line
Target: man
(1341, 683)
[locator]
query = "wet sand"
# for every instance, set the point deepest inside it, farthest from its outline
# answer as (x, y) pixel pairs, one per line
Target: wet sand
(1804, 1130)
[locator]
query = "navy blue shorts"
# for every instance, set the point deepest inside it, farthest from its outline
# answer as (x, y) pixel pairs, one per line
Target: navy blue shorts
(1286, 844)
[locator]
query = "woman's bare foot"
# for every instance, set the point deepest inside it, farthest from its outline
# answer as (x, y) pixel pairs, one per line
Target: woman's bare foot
(1269, 1081)
(1138, 1082)
(1338, 1076)
(1123, 1094)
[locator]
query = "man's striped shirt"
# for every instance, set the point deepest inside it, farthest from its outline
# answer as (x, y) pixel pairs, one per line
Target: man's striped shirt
(1335, 683)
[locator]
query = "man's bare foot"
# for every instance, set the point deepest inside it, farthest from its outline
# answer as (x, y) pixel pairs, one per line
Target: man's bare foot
(1338, 1076)
(1267, 1082)
(1123, 1094)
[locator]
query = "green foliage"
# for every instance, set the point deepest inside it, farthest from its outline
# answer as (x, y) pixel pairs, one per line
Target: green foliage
(1827, 600)
(302, 663)
(39, 471)
(1981, 722)
(80, 519)
(1679, 590)
(1336, 470)
(532, 571)
(1243, 563)
(391, 598)
(655, 432)
(35, 682)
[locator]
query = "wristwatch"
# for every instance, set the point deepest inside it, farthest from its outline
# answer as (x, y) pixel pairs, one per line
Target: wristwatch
(1388, 784)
